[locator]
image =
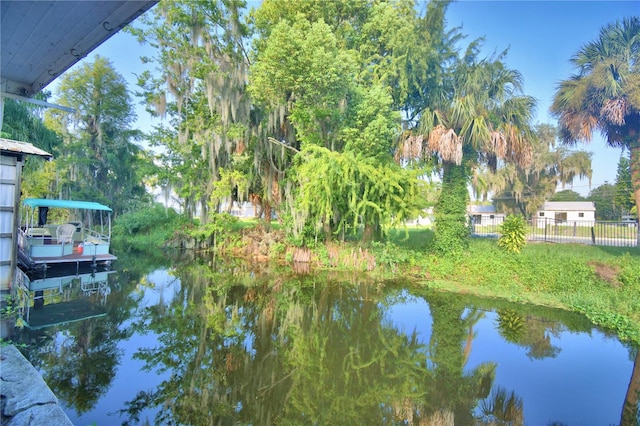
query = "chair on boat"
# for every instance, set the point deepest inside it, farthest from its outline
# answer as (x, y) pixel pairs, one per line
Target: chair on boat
(64, 233)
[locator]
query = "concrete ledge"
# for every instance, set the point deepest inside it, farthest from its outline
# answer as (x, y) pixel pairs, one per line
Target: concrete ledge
(26, 398)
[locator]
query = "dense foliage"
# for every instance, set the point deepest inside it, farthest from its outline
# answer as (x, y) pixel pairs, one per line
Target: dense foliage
(343, 192)
(451, 228)
(383, 87)
(150, 227)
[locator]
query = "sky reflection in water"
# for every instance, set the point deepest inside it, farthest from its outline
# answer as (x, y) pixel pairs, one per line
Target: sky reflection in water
(583, 383)
(576, 378)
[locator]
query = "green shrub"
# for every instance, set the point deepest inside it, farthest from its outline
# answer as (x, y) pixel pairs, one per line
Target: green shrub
(513, 234)
(220, 225)
(390, 255)
(148, 226)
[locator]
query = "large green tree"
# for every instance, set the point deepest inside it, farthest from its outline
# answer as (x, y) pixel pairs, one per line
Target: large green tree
(320, 83)
(304, 67)
(100, 160)
(604, 94)
(200, 87)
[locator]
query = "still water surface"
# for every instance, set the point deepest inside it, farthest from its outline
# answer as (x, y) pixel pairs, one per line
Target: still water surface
(205, 343)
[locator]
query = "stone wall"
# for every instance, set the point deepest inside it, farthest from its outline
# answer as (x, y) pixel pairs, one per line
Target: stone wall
(26, 399)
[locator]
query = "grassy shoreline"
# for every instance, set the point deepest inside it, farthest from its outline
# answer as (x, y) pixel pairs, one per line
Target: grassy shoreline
(603, 283)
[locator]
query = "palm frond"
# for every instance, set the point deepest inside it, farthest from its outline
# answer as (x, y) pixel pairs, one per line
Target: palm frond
(614, 111)
(446, 143)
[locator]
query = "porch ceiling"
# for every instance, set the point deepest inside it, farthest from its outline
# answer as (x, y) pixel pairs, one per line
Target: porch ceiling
(39, 40)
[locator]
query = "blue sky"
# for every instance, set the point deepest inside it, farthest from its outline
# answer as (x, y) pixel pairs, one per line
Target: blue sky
(541, 37)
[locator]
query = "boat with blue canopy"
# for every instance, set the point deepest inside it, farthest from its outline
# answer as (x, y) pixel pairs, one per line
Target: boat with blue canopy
(63, 232)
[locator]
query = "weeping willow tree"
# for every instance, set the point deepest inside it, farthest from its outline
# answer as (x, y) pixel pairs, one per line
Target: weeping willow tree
(25, 122)
(201, 87)
(341, 193)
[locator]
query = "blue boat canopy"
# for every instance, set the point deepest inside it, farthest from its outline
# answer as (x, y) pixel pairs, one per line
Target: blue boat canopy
(64, 204)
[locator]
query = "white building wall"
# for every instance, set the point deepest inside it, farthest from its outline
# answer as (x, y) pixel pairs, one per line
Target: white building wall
(490, 219)
(9, 176)
(572, 218)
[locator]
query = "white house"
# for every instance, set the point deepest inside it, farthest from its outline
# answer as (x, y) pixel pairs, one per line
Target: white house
(567, 213)
(485, 215)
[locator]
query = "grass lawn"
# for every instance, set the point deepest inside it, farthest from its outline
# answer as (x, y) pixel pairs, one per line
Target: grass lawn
(601, 282)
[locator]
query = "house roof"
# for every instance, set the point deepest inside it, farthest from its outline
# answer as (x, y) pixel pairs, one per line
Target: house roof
(490, 209)
(568, 206)
(39, 40)
(16, 148)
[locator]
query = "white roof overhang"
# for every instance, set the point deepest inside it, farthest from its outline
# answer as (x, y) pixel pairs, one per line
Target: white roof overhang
(39, 40)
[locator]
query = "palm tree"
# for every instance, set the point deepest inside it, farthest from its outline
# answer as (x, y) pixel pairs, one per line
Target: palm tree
(605, 93)
(480, 117)
(524, 190)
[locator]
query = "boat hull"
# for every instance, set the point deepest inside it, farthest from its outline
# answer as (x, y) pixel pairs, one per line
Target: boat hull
(41, 259)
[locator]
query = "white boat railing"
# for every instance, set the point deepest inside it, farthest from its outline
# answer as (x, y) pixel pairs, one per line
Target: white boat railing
(94, 237)
(23, 240)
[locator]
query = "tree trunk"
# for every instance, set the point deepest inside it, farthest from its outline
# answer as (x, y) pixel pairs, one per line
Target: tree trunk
(203, 212)
(267, 216)
(326, 229)
(634, 149)
(451, 230)
(368, 234)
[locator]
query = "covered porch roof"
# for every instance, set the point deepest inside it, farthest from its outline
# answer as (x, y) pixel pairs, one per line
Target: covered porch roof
(39, 40)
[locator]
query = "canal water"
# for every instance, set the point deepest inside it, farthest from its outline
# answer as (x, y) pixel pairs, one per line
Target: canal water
(199, 341)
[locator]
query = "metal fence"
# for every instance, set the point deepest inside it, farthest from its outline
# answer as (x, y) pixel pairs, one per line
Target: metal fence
(600, 233)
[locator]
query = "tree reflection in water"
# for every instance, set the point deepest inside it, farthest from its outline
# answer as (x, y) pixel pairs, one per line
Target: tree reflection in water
(307, 350)
(238, 346)
(630, 410)
(79, 359)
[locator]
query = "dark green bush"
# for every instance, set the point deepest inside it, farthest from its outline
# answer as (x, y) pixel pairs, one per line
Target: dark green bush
(150, 226)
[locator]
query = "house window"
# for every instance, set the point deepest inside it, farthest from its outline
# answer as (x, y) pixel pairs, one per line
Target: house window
(541, 214)
(491, 216)
(580, 214)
